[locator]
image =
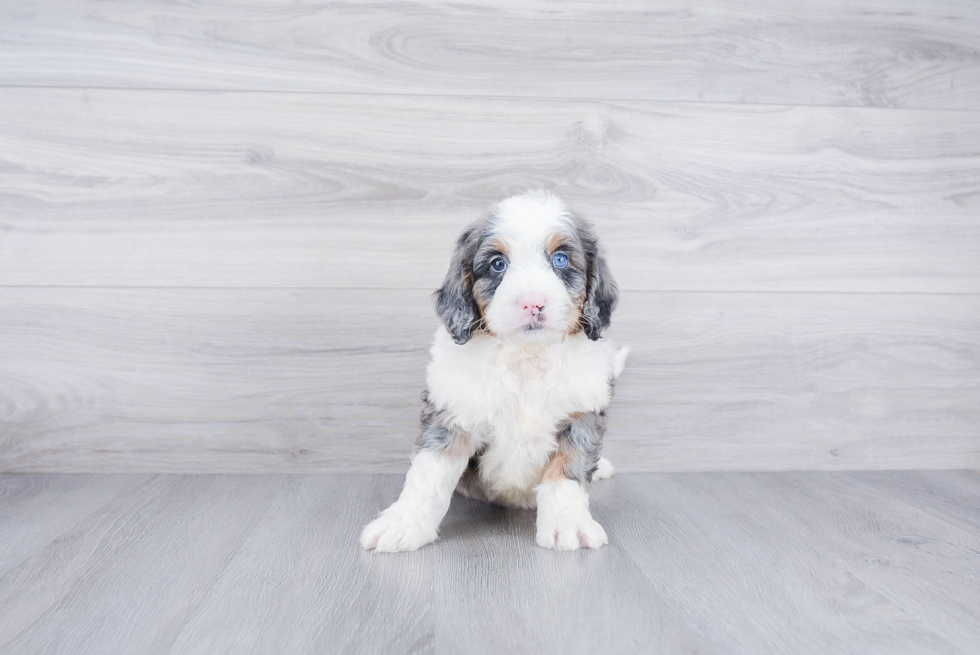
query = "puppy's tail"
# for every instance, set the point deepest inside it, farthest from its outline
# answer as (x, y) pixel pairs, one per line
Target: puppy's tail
(619, 361)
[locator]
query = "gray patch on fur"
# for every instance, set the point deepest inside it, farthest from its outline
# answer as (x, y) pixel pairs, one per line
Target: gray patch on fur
(601, 292)
(454, 300)
(580, 441)
(435, 434)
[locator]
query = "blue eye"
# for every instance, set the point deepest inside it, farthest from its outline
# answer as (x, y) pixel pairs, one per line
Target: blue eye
(498, 265)
(560, 260)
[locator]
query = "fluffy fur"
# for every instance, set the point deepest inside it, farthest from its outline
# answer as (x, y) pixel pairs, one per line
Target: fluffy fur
(519, 381)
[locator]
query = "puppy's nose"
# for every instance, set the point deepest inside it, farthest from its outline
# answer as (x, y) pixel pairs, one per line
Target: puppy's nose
(531, 304)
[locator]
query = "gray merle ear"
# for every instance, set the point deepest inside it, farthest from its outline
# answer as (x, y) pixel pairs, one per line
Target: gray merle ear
(601, 292)
(454, 301)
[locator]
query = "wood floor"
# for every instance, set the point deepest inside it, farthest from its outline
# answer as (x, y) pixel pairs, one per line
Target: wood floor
(878, 562)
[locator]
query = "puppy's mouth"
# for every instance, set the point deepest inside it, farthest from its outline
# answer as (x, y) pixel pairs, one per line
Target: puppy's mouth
(534, 323)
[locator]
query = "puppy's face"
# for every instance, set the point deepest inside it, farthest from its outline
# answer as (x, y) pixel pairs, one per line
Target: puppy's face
(527, 271)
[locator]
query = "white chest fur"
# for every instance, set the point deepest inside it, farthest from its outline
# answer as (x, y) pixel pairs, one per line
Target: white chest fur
(510, 399)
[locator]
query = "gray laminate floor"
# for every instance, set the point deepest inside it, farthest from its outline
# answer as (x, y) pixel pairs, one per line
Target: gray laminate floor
(731, 563)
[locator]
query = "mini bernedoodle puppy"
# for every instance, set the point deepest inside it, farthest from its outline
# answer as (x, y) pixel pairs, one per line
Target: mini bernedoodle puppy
(519, 381)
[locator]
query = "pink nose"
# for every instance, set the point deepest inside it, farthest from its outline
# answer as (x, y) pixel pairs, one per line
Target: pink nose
(531, 304)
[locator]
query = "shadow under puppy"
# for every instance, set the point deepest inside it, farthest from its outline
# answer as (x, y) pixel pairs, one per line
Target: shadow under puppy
(519, 382)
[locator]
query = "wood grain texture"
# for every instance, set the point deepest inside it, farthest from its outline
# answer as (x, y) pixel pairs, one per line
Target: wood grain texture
(34, 510)
(701, 563)
(876, 53)
(240, 380)
(681, 531)
(488, 573)
(133, 573)
(889, 577)
(219, 224)
(300, 583)
(952, 495)
(886, 540)
(141, 188)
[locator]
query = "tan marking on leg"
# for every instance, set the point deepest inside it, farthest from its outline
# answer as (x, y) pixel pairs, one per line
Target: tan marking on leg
(555, 470)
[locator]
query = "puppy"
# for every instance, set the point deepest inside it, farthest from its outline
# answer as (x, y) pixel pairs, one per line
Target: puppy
(519, 382)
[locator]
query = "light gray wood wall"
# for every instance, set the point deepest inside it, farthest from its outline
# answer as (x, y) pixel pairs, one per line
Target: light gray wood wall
(219, 225)
(882, 53)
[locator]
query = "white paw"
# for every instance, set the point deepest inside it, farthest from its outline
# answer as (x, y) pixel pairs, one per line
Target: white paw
(571, 534)
(604, 470)
(398, 530)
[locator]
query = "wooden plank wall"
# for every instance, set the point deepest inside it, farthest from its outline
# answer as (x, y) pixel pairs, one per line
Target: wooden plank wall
(219, 225)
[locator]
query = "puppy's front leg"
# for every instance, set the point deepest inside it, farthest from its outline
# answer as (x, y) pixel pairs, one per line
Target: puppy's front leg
(413, 520)
(564, 520)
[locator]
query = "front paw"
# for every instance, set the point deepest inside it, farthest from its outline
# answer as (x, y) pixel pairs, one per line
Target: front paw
(571, 534)
(398, 530)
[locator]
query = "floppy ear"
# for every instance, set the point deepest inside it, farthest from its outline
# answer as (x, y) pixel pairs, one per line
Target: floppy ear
(454, 301)
(601, 292)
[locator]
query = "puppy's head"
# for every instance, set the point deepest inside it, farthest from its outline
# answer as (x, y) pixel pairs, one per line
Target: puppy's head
(528, 270)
